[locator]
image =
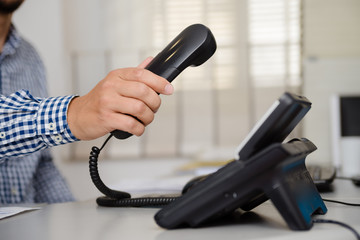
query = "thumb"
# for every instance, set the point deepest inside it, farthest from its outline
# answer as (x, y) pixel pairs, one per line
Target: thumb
(145, 62)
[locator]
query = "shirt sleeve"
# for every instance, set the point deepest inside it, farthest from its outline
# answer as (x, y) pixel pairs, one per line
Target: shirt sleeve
(28, 124)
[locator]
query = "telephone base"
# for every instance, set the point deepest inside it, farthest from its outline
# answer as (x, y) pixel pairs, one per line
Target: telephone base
(277, 173)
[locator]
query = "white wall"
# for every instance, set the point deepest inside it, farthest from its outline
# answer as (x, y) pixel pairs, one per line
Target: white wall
(331, 64)
(326, 77)
(331, 28)
(41, 23)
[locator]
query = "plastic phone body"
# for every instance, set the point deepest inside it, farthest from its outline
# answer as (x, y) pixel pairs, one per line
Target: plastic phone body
(275, 125)
(192, 47)
(271, 170)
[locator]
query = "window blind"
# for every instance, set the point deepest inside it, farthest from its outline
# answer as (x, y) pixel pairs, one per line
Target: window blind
(274, 42)
(170, 17)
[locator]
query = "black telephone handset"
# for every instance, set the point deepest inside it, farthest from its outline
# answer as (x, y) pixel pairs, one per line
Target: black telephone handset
(192, 47)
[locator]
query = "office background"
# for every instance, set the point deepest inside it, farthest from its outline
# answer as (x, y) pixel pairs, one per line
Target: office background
(311, 47)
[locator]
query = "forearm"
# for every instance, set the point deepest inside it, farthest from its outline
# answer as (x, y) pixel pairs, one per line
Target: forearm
(28, 124)
(126, 99)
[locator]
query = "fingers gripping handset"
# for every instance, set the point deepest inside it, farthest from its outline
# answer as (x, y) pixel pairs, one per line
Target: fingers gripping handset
(192, 47)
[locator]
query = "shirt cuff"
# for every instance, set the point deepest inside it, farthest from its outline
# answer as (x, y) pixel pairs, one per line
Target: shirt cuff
(52, 121)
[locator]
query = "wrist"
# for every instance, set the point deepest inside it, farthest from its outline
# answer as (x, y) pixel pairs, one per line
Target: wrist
(72, 117)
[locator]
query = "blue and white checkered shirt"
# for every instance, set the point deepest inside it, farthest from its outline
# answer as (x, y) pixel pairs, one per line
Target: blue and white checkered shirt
(28, 127)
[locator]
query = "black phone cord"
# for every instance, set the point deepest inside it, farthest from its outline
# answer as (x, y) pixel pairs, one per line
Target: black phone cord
(357, 235)
(115, 198)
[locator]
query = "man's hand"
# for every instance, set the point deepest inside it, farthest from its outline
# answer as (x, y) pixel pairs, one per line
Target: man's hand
(123, 92)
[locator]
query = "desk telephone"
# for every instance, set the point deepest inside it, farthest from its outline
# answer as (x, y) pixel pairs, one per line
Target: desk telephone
(264, 167)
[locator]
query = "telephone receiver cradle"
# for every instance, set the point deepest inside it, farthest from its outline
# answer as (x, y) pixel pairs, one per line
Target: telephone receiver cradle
(192, 47)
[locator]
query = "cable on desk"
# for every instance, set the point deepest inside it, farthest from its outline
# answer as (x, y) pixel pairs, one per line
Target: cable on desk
(340, 202)
(118, 198)
(338, 223)
(344, 178)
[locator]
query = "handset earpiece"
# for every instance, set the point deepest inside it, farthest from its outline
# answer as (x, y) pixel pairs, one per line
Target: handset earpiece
(192, 47)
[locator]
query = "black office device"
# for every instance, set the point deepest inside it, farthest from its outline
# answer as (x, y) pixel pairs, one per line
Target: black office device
(265, 169)
(345, 112)
(350, 116)
(192, 47)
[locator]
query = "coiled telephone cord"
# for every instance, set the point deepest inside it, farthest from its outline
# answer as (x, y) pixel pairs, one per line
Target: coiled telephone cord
(115, 198)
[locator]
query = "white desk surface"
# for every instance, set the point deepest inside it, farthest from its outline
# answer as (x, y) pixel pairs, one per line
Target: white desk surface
(86, 220)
